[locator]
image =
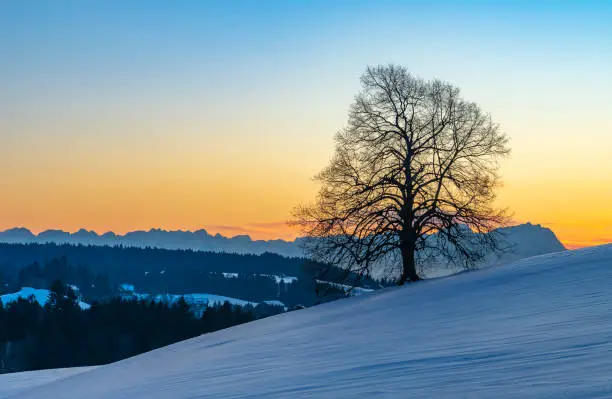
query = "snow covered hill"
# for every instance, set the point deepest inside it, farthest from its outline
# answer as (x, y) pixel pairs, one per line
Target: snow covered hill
(539, 327)
(40, 295)
(197, 301)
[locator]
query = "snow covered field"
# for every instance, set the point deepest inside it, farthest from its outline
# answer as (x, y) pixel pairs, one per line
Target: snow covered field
(537, 328)
(195, 299)
(40, 295)
(347, 288)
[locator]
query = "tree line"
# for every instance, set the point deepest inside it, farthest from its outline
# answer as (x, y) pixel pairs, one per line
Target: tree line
(98, 272)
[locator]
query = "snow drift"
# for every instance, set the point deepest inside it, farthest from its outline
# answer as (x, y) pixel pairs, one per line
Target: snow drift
(539, 327)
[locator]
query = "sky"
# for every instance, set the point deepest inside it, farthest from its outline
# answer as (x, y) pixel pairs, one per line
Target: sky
(125, 115)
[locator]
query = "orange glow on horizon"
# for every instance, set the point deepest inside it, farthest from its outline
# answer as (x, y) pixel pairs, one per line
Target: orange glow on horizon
(245, 196)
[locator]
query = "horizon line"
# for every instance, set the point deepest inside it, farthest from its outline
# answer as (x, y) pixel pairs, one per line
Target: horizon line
(215, 230)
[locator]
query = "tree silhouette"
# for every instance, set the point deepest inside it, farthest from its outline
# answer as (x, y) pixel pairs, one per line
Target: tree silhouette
(414, 172)
(57, 291)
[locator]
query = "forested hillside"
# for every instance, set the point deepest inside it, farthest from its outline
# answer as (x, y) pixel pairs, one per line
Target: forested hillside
(136, 298)
(99, 271)
(64, 334)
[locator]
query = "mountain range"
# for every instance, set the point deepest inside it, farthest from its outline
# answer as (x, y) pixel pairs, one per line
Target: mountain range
(527, 239)
(199, 240)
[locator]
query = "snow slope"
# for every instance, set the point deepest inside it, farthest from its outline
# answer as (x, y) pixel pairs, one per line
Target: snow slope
(10, 384)
(537, 328)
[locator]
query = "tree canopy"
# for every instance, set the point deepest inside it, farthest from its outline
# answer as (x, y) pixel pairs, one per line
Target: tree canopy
(414, 171)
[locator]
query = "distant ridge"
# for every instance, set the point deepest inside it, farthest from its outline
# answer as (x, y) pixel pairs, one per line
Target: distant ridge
(528, 239)
(199, 240)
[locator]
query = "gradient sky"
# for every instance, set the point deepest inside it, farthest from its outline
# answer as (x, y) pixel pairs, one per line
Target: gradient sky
(123, 115)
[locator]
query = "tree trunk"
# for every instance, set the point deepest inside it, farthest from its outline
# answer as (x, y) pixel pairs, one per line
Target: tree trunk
(409, 272)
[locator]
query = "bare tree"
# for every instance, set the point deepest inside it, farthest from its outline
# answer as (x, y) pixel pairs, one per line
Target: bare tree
(414, 172)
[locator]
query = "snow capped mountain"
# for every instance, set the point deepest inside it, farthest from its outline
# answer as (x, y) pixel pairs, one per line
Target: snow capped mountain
(537, 328)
